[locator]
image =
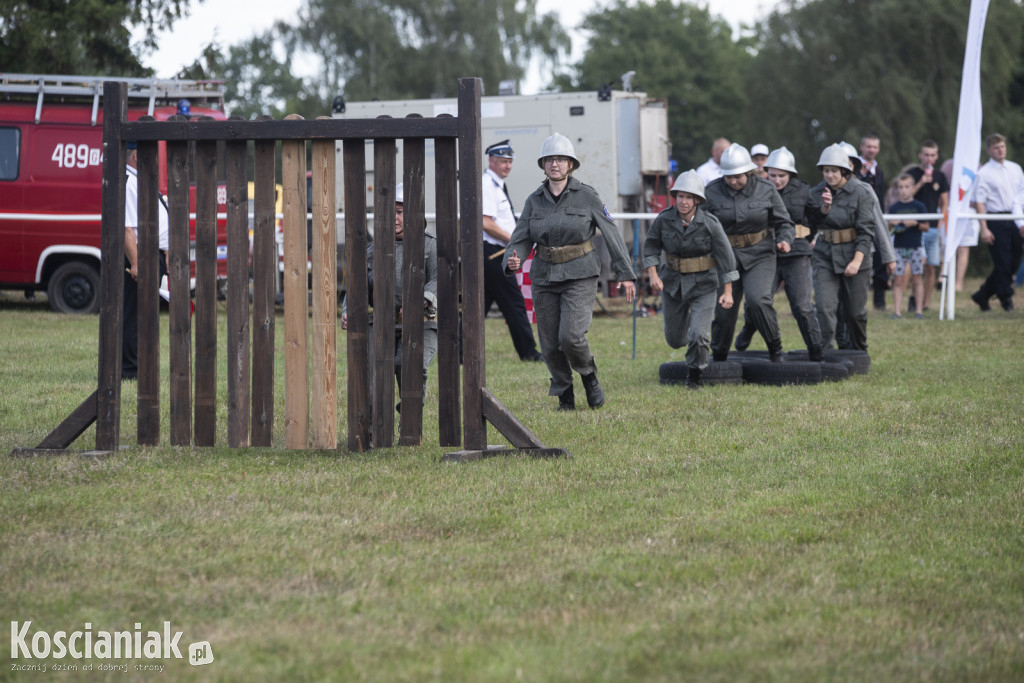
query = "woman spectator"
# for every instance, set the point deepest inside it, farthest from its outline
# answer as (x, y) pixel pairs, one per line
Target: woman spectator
(756, 223)
(561, 217)
(842, 210)
(698, 260)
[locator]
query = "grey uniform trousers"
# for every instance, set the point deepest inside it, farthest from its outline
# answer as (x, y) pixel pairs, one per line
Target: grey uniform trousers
(564, 311)
(836, 294)
(795, 273)
(429, 351)
(688, 321)
(757, 283)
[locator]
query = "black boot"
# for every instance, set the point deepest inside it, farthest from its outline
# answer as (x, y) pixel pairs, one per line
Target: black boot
(775, 351)
(744, 338)
(720, 356)
(814, 354)
(595, 396)
(567, 400)
(693, 379)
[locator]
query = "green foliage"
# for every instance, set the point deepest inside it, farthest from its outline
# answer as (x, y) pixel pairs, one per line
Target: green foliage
(415, 49)
(828, 70)
(81, 36)
(681, 53)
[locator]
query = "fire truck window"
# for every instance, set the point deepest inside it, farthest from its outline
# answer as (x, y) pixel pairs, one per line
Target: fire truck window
(10, 148)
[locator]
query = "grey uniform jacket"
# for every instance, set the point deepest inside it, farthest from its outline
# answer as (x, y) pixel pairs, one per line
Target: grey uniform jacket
(756, 207)
(429, 275)
(852, 207)
(703, 236)
(794, 196)
(572, 219)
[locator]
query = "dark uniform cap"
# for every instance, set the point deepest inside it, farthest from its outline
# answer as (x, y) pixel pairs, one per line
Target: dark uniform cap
(501, 149)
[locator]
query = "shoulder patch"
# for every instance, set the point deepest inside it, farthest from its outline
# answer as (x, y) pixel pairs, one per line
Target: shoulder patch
(607, 215)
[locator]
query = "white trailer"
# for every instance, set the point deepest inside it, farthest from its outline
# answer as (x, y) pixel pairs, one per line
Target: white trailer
(621, 139)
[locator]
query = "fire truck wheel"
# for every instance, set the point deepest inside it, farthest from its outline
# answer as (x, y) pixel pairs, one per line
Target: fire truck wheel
(75, 288)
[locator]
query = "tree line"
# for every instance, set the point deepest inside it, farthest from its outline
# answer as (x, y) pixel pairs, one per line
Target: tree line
(813, 72)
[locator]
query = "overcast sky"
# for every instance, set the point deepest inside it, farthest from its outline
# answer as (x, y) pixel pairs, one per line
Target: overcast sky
(233, 21)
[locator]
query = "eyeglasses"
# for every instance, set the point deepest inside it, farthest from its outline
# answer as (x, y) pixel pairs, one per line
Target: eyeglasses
(556, 160)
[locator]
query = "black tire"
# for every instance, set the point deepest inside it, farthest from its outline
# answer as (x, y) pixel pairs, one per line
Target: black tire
(827, 356)
(834, 372)
(676, 372)
(781, 374)
(74, 288)
(860, 359)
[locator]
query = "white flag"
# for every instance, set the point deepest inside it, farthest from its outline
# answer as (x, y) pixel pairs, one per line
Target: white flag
(967, 152)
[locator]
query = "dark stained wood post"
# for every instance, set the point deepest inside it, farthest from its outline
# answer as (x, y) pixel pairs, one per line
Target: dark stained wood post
(360, 414)
(448, 291)
(206, 293)
(108, 398)
(264, 275)
(296, 334)
(470, 183)
(384, 167)
(236, 158)
(180, 336)
(148, 425)
(413, 276)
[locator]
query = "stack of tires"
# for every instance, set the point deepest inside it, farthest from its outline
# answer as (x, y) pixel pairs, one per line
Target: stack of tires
(754, 367)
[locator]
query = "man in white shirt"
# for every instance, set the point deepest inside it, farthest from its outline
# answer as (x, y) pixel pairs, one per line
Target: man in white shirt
(130, 329)
(998, 183)
(710, 170)
(499, 221)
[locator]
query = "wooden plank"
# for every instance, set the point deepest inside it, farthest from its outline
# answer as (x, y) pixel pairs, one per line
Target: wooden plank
(501, 451)
(206, 294)
(470, 185)
(296, 128)
(506, 423)
(148, 423)
(448, 293)
(360, 414)
(108, 425)
(236, 158)
(57, 452)
(384, 166)
(264, 275)
(180, 334)
(73, 425)
(296, 335)
(325, 297)
(413, 276)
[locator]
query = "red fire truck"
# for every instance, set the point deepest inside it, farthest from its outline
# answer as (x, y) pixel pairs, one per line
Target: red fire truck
(51, 152)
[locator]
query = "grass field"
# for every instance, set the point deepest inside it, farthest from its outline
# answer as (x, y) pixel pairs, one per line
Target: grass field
(866, 530)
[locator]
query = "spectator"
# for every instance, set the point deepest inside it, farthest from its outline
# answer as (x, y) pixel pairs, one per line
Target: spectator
(907, 241)
(710, 170)
(759, 155)
(999, 182)
(931, 188)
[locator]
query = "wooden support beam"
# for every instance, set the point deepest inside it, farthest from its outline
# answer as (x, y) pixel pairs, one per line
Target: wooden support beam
(296, 299)
(73, 425)
(474, 372)
(448, 292)
(148, 295)
(325, 297)
(236, 161)
(506, 423)
(180, 336)
(360, 414)
(413, 279)
(264, 275)
(206, 294)
(108, 427)
(384, 293)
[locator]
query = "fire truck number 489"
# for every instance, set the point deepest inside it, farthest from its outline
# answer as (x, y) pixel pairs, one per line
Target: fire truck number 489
(70, 155)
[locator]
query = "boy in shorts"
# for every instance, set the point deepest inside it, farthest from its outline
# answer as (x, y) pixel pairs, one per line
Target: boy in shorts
(906, 240)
